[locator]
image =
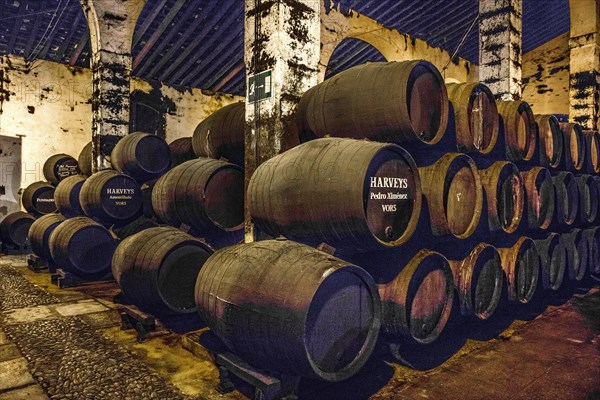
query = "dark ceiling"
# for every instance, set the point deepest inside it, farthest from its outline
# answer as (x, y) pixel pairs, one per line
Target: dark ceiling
(199, 43)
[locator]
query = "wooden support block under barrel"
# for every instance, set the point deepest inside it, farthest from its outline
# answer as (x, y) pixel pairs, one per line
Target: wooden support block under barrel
(36, 264)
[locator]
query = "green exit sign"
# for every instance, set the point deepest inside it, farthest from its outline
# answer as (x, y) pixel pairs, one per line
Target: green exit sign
(259, 86)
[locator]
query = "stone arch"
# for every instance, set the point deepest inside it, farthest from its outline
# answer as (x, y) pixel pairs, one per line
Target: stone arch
(363, 52)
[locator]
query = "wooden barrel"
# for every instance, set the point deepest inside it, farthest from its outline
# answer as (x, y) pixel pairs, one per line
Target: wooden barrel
(60, 166)
(390, 102)
(566, 197)
(142, 156)
(519, 129)
(348, 193)
(521, 265)
(578, 253)
(66, 196)
(205, 194)
(452, 186)
(111, 197)
(38, 199)
(417, 302)
(138, 225)
(475, 115)
(221, 134)
(550, 140)
(325, 328)
(39, 233)
(593, 236)
(157, 269)
(540, 197)
(181, 151)
(574, 145)
(588, 198)
(592, 139)
(478, 281)
(147, 187)
(15, 227)
(84, 161)
(82, 247)
(505, 195)
(553, 260)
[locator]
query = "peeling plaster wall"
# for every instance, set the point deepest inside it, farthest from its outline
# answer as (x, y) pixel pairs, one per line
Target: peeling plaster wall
(546, 77)
(49, 105)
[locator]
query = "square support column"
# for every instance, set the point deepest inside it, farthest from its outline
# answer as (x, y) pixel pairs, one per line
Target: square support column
(282, 50)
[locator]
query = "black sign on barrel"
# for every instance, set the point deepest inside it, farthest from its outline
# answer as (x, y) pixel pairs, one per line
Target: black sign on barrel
(38, 199)
(59, 167)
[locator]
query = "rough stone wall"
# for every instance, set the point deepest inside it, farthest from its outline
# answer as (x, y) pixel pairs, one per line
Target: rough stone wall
(50, 105)
(546, 77)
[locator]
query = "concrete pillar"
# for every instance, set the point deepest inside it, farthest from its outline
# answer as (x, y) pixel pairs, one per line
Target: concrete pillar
(584, 74)
(500, 47)
(111, 23)
(282, 48)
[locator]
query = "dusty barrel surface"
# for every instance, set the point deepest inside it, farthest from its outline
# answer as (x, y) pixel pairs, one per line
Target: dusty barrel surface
(39, 233)
(204, 193)
(519, 129)
(574, 145)
(452, 186)
(138, 225)
(38, 199)
(476, 116)
(325, 328)
(550, 140)
(347, 193)
(540, 197)
(521, 265)
(592, 140)
(566, 197)
(588, 198)
(83, 247)
(15, 227)
(111, 197)
(158, 267)
(578, 253)
(181, 151)
(221, 134)
(391, 102)
(84, 161)
(66, 196)
(142, 156)
(553, 260)
(478, 281)
(504, 194)
(418, 301)
(60, 166)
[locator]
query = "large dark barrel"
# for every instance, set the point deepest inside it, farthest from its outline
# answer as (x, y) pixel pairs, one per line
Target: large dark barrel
(221, 134)
(39, 233)
(205, 194)
(521, 265)
(347, 193)
(417, 303)
(390, 102)
(550, 140)
(60, 166)
(142, 156)
(566, 197)
(574, 145)
(14, 228)
(111, 197)
(82, 247)
(578, 254)
(66, 196)
(138, 225)
(85, 160)
(452, 186)
(592, 139)
(158, 267)
(519, 129)
(181, 151)
(593, 236)
(475, 115)
(478, 281)
(325, 328)
(553, 260)
(504, 194)
(588, 198)
(38, 199)
(540, 197)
